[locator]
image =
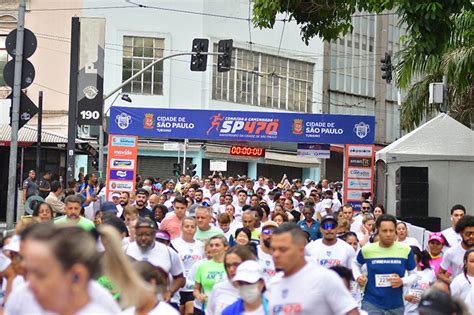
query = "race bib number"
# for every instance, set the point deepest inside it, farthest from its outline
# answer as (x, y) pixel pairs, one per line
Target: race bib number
(381, 281)
(417, 293)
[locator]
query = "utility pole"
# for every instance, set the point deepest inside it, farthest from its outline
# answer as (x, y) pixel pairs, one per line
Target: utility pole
(15, 115)
(72, 126)
(40, 128)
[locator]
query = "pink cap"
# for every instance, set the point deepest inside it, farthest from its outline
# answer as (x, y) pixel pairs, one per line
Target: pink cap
(436, 237)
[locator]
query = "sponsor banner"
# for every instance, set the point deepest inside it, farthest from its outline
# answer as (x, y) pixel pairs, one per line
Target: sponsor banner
(320, 151)
(118, 141)
(124, 164)
(115, 185)
(90, 92)
(121, 164)
(121, 174)
(358, 172)
(360, 150)
(357, 161)
(354, 195)
(359, 183)
(242, 126)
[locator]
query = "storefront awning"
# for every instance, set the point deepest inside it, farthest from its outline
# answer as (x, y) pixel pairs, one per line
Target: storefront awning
(28, 135)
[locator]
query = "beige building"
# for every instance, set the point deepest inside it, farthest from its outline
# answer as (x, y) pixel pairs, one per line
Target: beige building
(50, 20)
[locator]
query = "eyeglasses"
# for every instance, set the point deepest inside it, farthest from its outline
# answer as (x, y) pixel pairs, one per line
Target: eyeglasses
(327, 226)
(267, 231)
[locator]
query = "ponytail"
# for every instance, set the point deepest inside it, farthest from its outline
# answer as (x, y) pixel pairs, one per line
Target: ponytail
(118, 269)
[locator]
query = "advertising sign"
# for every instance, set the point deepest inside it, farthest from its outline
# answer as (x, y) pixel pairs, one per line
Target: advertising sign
(91, 72)
(358, 173)
(320, 151)
(242, 126)
(218, 165)
(121, 164)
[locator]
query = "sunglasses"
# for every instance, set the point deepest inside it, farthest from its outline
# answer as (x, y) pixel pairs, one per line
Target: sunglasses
(267, 231)
(366, 208)
(327, 226)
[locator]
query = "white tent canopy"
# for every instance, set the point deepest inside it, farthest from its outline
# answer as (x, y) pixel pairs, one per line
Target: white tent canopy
(442, 138)
(446, 147)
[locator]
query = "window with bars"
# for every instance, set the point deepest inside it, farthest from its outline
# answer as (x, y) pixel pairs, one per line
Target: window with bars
(3, 58)
(139, 52)
(264, 80)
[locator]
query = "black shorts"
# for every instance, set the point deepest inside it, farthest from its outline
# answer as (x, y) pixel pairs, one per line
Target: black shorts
(185, 297)
(198, 312)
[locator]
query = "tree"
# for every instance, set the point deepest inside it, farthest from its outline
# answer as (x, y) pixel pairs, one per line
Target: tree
(439, 41)
(416, 70)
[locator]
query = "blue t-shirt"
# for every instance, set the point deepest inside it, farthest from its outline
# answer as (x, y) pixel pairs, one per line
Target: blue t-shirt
(313, 230)
(381, 263)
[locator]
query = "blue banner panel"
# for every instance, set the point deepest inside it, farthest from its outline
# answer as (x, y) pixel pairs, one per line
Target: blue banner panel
(241, 126)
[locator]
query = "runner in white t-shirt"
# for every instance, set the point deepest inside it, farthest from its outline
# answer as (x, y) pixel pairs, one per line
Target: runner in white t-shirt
(264, 256)
(190, 251)
(303, 288)
(454, 238)
(145, 248)
(463, 283)
(329, 251)
(402, 235)
(453, 258)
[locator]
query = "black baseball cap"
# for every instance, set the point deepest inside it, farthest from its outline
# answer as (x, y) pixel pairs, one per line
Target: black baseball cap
(142, 191)
(329, 217)
(436, 302)
(145, 222)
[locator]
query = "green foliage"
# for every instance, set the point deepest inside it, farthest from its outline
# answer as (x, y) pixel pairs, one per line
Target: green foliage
(328, 19)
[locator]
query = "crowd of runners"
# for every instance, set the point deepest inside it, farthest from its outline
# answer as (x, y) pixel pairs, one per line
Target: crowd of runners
(228, 246)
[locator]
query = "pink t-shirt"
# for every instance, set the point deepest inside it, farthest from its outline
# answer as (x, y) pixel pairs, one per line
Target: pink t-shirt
(172, 224)
(435, 262)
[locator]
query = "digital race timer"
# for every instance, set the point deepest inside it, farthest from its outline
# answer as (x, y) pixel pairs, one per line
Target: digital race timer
(247, 151)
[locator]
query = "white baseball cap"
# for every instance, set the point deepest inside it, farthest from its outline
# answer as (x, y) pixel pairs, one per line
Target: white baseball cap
(326, 203)
(14, 245)
(249, 271)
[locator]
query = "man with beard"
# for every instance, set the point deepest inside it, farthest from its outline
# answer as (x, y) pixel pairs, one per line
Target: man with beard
(123, 202)
(454, 257)
(73, 209)
(198, 195)
(330, 250)
(140, 203)
(264, 251)
(159, 255)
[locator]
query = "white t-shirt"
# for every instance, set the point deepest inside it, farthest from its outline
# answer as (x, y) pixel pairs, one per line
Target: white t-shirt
(452, 237)
(411, 241)
(258, 311)
(22, 301)
(159, 256)
(162, 308)
(453, 258)
(340, 253)
(192, 275)
(266, 262)
(356, 226)
(189, 253)
(311, 290)
(425, 279)
(222, 295)
(460, 286)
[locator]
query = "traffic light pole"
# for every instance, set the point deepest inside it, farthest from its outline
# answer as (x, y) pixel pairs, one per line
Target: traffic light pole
(126, 82)
(184, 155)
(15, 115)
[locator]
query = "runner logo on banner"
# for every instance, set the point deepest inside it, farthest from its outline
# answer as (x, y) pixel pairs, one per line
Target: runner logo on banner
(121, 164)
(358, 173)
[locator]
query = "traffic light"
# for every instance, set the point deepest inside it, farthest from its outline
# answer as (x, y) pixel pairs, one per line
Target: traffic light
(191, 170)
(95, 163)
(386, 68)
(198, 60)
(224, 61)
(177, 169)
